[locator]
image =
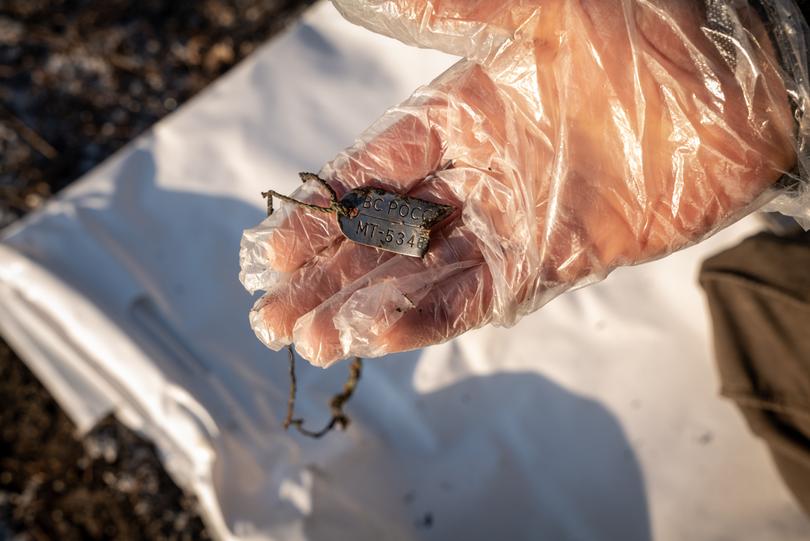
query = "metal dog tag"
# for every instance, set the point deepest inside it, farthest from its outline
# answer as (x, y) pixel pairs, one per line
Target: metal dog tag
(390, 221)
(375, 217)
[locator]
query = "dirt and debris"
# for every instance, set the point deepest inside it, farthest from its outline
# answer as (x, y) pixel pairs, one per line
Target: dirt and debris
(55, 485)
(81, 78)
(78, 80)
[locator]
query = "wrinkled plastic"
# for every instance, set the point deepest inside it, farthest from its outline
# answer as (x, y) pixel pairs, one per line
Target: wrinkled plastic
(575, 136)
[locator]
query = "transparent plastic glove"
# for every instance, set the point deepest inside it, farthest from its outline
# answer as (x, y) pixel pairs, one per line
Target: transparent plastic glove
(576, 136)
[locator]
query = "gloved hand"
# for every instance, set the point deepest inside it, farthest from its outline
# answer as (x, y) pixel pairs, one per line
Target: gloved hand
(575, 136)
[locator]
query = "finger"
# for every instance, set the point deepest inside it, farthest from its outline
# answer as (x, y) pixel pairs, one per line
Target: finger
(454, 306)
(371, 305)
(468, 28)
(275, 314)
(380, 319)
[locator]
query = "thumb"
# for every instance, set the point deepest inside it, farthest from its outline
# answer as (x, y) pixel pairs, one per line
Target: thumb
(468, 28)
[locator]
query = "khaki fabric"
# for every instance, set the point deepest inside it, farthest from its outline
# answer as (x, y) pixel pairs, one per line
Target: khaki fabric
(759, 297)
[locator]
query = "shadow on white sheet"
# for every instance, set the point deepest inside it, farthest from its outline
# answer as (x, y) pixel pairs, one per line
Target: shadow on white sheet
(596, 418)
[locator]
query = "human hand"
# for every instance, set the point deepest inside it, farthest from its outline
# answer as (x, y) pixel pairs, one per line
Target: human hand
(575, 137)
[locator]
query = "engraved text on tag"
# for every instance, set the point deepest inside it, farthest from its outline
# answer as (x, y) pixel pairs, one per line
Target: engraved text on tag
(390, 221)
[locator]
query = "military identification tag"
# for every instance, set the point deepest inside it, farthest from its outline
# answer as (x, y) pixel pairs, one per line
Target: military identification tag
(379, 218)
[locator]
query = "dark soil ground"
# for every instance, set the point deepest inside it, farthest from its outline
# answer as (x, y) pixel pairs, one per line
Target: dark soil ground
(78, 80)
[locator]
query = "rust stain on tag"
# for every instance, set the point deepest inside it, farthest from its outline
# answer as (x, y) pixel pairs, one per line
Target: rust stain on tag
(390, 221)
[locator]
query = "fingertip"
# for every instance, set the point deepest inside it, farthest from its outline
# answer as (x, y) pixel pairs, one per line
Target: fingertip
(317, 340)
(267, 325)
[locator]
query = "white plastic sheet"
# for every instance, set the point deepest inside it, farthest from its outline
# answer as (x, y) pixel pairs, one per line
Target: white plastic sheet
(595, 418)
